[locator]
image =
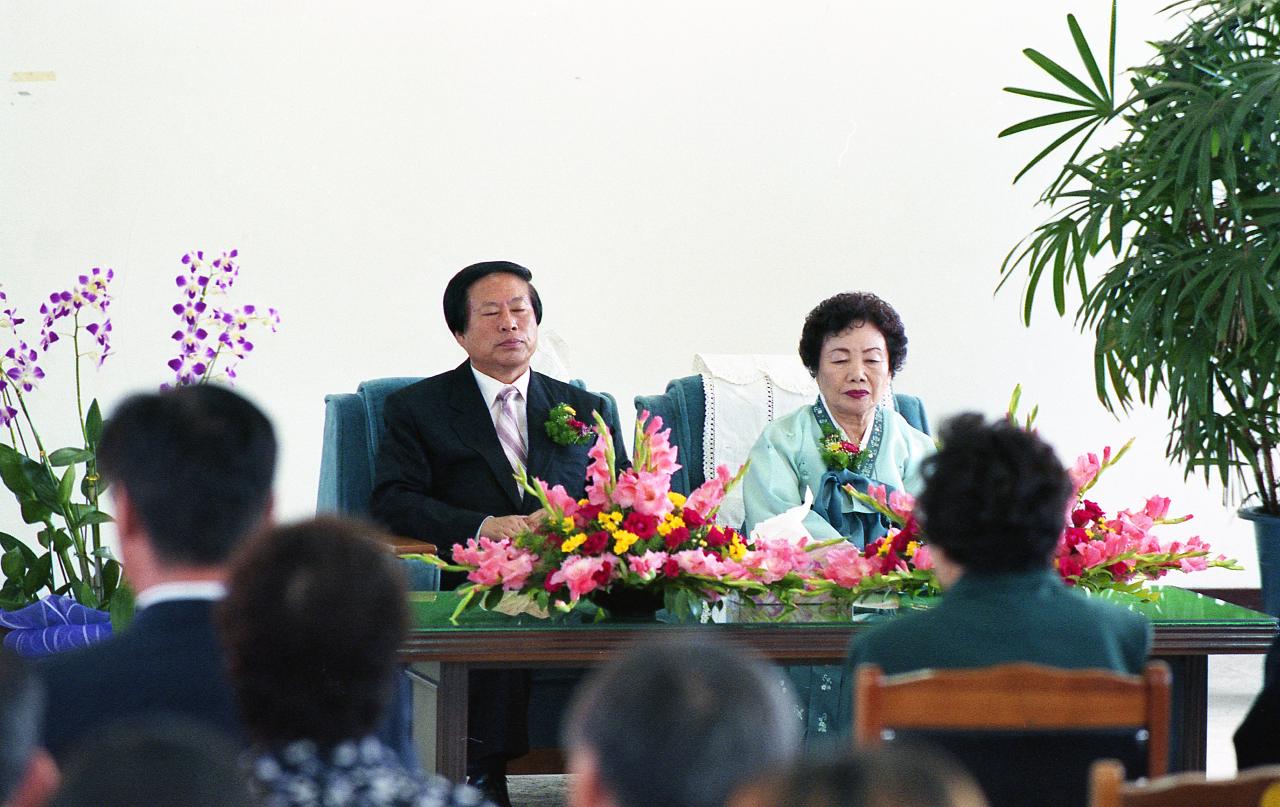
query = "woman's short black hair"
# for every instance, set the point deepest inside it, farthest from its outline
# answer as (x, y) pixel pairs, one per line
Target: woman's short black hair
(456, 310)
(313, 617)
(995, 496)
(845, 310)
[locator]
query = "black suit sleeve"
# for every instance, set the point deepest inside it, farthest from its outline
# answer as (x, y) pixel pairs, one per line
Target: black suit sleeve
(405, 481)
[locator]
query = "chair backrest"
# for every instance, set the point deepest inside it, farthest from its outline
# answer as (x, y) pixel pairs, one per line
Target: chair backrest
(683, 407)
(1070, 716)
(1257, 787)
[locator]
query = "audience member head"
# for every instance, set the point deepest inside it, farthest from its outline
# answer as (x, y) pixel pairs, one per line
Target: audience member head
(192, 469)
(457, 309)
(995, 496)
(890, 776)
(166, 762)
(312, 619)
(679, 723)
(28, 775)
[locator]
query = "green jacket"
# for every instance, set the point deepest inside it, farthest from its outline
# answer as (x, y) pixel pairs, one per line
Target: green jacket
(988, 619)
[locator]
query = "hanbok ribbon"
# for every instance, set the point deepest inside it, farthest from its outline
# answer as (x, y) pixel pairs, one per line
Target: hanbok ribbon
(860, 528)
(53, 625)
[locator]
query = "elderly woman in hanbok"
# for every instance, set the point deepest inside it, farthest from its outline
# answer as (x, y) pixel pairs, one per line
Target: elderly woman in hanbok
(853, 344)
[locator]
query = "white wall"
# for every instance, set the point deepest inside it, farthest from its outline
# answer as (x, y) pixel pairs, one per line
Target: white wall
(680, 176)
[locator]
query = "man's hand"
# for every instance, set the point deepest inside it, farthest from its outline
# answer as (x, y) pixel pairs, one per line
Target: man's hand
(498, 527)
(537, 518)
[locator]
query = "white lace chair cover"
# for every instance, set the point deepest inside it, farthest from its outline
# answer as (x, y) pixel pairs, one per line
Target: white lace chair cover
(552, 356)
(743, 392)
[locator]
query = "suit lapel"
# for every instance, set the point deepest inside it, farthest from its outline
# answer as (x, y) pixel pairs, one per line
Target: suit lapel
(474, 427)
(541, 448)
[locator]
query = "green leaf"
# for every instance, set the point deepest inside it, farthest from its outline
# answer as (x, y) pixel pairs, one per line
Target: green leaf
(40, 575)
(110, 579)
(8, 542)
(11, 471)
(67, 485)
(1048, 120)
(93, 424)
(103, 552)
(62, 541)
(121, 607)
(1047, 96)
(1047, 150)
(85, 594)
(69, 456)
(33, 512)
(1086, 56)
(1064, 76)
(92, 515)
(13, 564)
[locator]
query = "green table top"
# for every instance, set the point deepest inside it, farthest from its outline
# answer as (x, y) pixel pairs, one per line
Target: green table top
(1174, 606)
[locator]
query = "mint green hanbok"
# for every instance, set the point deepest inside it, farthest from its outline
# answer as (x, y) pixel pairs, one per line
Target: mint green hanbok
(785, 463)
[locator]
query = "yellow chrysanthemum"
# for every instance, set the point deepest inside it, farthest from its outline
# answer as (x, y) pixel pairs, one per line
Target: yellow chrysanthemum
(912, 546)
(622, 541)
(567, 523)
(584, 502)
(573, 542)
(737, 550)
(885, 546)
(678, 499)
(569, 409)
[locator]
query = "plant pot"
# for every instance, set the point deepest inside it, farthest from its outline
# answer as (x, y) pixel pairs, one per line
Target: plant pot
(1266, 531)
(628, 604)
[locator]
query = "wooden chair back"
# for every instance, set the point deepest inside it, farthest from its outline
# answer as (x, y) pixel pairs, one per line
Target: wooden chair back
(1257, 787)
(1016, 697)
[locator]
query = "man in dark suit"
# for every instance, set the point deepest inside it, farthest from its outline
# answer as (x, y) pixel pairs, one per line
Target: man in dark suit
(445, 469)
(1257, 740)
(190, 472)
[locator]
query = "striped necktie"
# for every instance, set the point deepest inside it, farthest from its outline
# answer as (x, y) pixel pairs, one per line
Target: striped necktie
(507, 428)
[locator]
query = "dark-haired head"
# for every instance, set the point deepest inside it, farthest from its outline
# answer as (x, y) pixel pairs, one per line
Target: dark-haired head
(995, 496)
(679, 723)
(312, 619)
(196, 464)
(837, 314)
(457, 310)
(889, 776)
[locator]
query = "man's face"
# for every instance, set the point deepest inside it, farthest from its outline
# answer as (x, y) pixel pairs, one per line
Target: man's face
(501, 332)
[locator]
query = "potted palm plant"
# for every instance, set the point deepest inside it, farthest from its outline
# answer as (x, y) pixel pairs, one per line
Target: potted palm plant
(1186, 206)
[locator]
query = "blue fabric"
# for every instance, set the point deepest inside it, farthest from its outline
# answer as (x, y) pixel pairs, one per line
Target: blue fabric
(858, 527)
(54, 624)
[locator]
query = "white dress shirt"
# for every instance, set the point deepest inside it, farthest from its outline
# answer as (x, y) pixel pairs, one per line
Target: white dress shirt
(490, 388)
(210, 590)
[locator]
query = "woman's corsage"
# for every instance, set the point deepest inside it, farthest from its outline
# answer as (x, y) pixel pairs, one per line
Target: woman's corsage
(839, 455)
(564, 428)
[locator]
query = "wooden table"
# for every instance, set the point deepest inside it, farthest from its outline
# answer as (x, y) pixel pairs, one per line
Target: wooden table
(1188, 629)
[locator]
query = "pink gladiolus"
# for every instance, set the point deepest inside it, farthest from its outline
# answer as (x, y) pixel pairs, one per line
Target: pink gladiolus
(560, 499)
(877, 492)
(774, 559)
(923, 559)
(580, 573)
(624, 493)
(1157, 508)
(647, 566)
(901, 502)
(695, 561)
(1085, 469)
(662, 455)
(650, 493)
(846, 566)
(710, 493)
(495, 562)
(598, 476)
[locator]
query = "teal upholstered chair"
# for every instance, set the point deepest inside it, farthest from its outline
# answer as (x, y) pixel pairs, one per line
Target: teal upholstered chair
(683, 408)
(353, 428)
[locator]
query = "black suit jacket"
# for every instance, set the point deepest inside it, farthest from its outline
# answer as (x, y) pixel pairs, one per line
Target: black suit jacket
(1257, 740)
(167, 661)
(441, 469)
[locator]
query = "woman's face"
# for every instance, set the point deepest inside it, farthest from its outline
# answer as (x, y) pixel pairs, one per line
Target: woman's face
(853, 372)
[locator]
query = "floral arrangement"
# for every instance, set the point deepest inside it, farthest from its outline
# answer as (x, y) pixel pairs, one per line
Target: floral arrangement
(564, 428)
(1094, 553)
(59, 490)
(631, 533)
